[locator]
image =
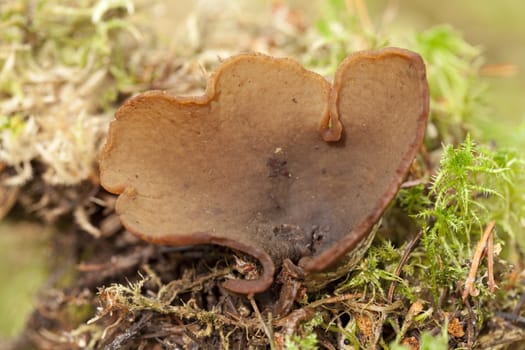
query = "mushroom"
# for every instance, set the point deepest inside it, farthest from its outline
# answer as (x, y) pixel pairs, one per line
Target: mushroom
(272, 160)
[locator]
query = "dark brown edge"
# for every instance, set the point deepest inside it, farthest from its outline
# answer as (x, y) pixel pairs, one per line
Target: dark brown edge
(236, 286)
(352, 239)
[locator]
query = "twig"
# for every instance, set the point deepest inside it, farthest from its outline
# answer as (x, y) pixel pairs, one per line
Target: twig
(520, 304)
(426, 159)
(490, 263)
(471, 323)
(267, 330)
(413, 183)
(290, 322)
(470, 288)
(333, 300)
(512, 317)
(408, 250)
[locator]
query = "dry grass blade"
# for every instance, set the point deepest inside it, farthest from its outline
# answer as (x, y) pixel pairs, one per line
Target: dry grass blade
(470, 288)
(406, 254)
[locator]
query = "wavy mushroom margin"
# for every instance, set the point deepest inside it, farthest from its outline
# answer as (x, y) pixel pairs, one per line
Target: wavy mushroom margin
(330, 129)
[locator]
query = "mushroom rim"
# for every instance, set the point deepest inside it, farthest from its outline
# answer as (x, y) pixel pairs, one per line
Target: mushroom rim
(351, 240)
(210, 92)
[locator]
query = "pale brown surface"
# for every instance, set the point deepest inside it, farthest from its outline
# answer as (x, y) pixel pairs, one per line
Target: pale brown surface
(246, 166)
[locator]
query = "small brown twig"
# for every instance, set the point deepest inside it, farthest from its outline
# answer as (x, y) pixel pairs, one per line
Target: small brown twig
(264, 326)
(423, 151)
(470, 288)
(413, 183)
(334, 300)
(490, 263)
(408, 250)
(471, 323)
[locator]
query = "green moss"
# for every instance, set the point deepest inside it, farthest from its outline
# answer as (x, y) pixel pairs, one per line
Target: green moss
(12, 124)
(309, 340)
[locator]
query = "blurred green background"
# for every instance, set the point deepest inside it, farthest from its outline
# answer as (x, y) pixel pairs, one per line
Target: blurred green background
(24, 257)
(495, 26)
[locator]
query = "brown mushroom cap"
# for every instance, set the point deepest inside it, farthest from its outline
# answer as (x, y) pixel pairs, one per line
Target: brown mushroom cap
(272, 160)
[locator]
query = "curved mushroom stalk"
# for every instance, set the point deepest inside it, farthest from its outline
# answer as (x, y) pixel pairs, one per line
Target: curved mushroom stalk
(272, 160)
